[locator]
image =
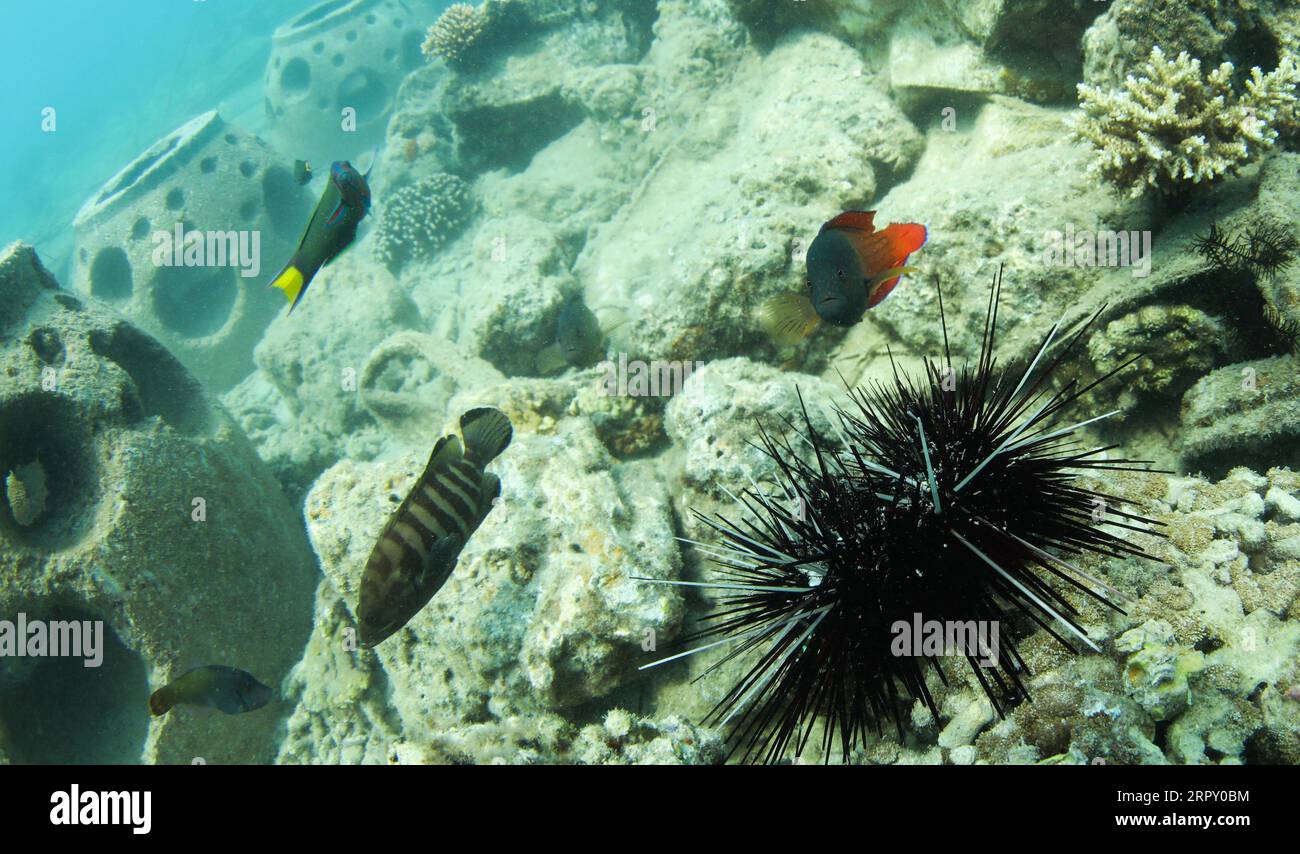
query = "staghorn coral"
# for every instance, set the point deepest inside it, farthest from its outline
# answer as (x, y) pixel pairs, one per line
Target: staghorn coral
(418, 219)
(454, 33)
(1173, 127)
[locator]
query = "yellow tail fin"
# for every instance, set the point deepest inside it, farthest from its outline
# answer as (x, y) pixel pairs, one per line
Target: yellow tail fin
(788, 318)
(290, 281)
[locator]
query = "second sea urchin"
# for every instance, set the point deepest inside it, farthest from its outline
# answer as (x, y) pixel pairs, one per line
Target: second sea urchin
(952, 500)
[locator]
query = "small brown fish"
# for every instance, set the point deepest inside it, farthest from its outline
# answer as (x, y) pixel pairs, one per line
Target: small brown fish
(227, 689)
(421, 542)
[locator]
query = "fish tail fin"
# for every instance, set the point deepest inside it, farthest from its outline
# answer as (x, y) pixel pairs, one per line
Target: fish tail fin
(292, 282)
(160, 702)
(788, 318)
(487, 432)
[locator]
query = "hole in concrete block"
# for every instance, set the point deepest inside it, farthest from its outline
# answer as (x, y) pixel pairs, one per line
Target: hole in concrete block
(175, 199)
(208, 165)
(194, 301)
(110, 274)
(48, 345)
(50, 481)
(140, 229)
(363, 90)
(295, 79)
(55, 710)
(164, 387)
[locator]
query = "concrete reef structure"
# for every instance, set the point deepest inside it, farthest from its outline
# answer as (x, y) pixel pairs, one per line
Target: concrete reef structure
(237, 211)
(158, 519)
(339, 55)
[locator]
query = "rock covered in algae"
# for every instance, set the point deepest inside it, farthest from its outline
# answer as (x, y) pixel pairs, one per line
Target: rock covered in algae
(682, 264)
(621, 738)
(542, 610)
(1249, 411)
(159, 520)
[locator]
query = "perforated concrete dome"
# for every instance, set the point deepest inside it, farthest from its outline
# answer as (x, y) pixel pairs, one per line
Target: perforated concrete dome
(127, 441)
(335, 55)
(210, 179)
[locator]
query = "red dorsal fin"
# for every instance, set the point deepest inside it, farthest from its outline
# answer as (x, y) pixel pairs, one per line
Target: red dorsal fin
(854, 221)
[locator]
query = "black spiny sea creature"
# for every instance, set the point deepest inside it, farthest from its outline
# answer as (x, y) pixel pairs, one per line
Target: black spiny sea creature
(1263, 250)
(951, 498)
(1287, 329)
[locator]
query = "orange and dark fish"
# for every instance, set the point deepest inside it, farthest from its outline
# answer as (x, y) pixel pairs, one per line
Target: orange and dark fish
(226, 689)
(422, 540)
(331, 229)
(579, 339)
(851, 267)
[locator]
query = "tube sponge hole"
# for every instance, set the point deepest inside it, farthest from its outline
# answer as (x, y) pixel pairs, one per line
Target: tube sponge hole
(57, 710)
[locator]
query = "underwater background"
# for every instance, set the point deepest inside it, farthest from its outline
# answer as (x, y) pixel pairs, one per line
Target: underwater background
(262, 257)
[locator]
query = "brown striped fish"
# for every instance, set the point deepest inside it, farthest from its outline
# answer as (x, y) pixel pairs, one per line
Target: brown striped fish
(422, 540)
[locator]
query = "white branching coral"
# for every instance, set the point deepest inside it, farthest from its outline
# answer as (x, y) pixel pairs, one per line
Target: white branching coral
(418, 219)
(454, 33)
(1173, 127)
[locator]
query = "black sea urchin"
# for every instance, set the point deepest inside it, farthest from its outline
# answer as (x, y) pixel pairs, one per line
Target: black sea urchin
(952, 499)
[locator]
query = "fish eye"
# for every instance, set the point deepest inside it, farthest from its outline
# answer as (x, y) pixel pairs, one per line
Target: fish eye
(809, 284)
(840, 273)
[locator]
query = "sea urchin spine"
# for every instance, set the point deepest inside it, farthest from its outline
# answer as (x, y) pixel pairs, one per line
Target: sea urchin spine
(952, 499)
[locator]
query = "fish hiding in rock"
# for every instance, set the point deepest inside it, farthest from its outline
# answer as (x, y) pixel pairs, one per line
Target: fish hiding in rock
(331, 229)
(579, 339)
(301, 172)
(226, 689)
(419, 546)
(851, 267)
